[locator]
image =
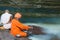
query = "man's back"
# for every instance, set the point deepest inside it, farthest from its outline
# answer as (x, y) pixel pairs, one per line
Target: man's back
(5, 18)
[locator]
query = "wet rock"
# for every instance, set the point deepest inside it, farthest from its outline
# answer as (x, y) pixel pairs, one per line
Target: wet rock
(36, 30)
(55, 38)
(22, 38)
(5, 35)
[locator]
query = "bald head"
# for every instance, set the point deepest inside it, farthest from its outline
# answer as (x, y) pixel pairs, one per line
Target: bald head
(7, 11)
(17, 15)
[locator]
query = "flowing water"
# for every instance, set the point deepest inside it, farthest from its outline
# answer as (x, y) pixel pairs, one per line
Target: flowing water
(51, 27)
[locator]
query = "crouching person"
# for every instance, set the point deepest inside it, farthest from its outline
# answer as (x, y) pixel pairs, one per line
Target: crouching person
(17, 27)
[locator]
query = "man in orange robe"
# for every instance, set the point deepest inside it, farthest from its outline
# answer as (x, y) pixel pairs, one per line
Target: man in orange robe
(17, 26)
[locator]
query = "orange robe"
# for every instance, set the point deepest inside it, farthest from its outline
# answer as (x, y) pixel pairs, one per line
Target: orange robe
(15, 28)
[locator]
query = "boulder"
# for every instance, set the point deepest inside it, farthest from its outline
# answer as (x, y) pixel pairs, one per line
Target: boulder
(36, 30)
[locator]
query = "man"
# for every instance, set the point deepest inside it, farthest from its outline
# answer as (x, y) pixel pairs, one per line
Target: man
(6, 20)
(17, 27)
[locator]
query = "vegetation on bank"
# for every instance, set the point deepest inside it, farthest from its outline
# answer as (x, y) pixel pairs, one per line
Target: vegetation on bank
(31, 3)
(28, 5)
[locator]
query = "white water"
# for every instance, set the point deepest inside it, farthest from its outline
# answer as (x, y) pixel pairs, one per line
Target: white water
(50, 29)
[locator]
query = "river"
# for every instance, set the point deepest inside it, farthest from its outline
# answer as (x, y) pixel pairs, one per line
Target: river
(51, 26)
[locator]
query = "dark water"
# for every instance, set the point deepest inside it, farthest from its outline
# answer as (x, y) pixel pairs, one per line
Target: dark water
(35, 10)
(52, 20)
(31, 10)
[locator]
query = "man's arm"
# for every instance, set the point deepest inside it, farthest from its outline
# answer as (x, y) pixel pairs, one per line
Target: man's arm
(22, 26)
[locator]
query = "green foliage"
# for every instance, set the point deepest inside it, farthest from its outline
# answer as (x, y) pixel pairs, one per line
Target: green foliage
(5, 1)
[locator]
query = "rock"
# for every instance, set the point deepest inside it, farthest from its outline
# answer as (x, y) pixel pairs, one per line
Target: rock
(22, 38)
(36, 30)
(5, 35)
(55, 38)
